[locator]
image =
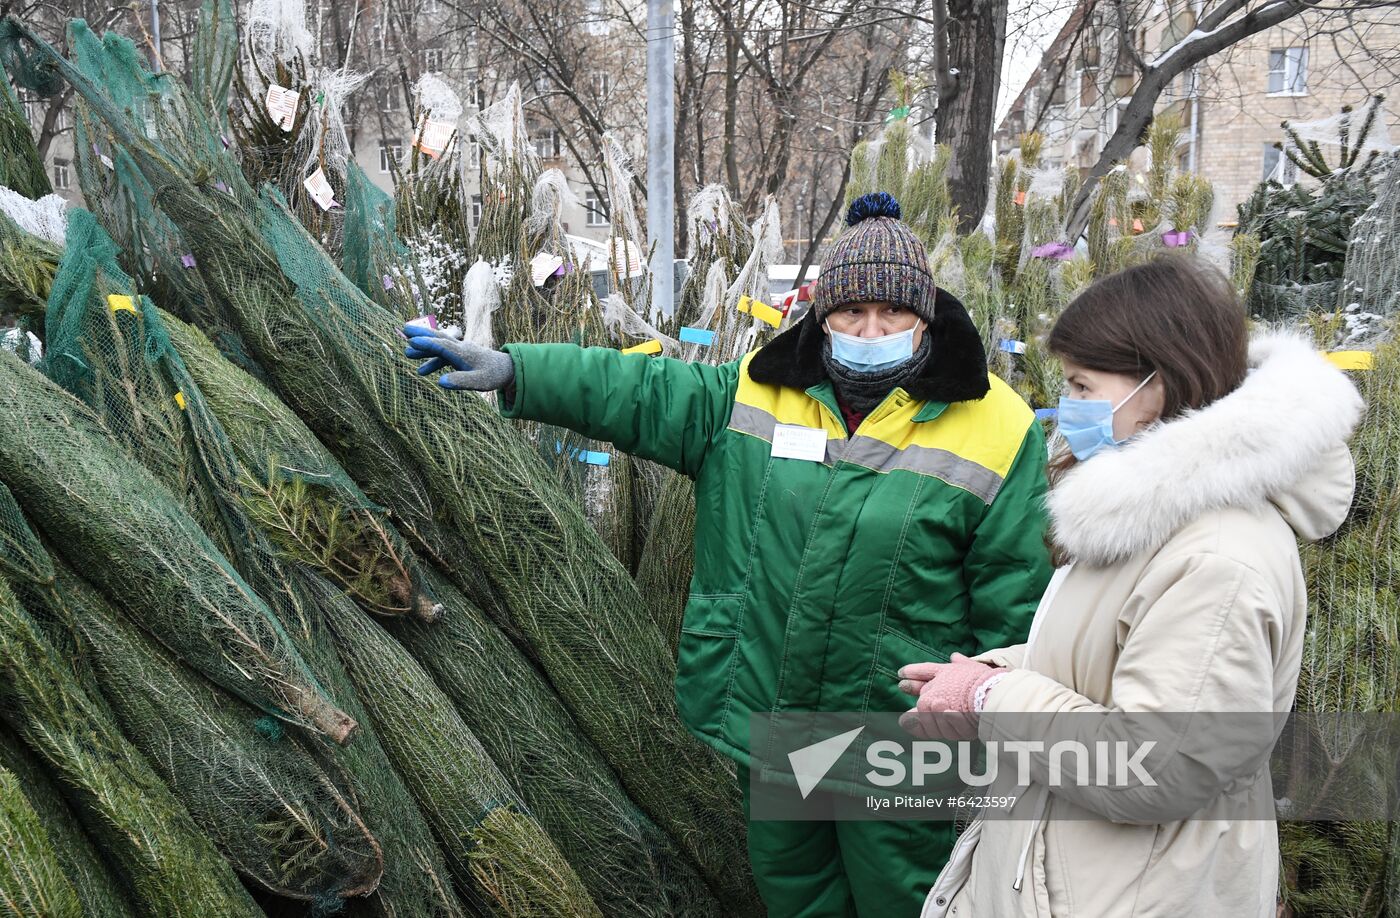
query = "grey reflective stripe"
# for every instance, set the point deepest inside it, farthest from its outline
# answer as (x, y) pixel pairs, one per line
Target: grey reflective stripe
(941, 464)
(883, 457)
(750, 420)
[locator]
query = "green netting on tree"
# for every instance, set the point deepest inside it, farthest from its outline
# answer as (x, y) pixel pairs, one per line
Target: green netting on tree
(1351, 662)
(332, 353)
(32, 881)
(170, 866)
(616, 850)
(565, 592)
(22, 556)
(99, 891)
(372, 256)
(414, 884)
(492, 843)
(21, 166)
(27, 267)
(280, 818)
(417, 880)
(215, 58)
(153, 558)
(297, 493)
(627, 863)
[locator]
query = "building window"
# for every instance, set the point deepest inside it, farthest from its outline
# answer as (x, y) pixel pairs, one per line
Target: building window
(474, 154)
(1288, 71)
(478, 91)
(389, 153)
(594, 206)
(602, 84)
(1278, 166)
(60, 174)
(432, 59)
(549, 144)
(476, 210)
(388, 99)
(1057, 93)
(429, 6)
(1088, 88)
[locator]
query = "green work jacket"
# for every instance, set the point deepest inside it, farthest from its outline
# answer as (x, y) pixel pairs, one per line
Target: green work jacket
(918, 534)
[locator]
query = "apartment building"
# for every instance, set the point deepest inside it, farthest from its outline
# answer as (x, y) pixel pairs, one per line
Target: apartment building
(1232, 105)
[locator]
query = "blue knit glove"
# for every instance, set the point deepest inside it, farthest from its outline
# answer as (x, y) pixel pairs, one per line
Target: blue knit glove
(479, 369)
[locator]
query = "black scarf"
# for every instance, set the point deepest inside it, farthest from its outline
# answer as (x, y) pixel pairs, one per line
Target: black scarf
(862, 391)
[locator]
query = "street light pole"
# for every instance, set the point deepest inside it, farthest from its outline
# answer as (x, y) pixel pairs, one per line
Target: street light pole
(155, 36)
(661, 145)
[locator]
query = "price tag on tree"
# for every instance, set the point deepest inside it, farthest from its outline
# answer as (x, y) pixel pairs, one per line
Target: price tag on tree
(320, 190)
(282, 105)
(434, 137)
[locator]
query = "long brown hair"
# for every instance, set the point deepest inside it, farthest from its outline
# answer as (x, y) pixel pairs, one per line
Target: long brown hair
(1173, 315)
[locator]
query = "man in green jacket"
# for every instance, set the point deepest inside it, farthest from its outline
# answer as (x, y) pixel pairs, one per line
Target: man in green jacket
(867, 496)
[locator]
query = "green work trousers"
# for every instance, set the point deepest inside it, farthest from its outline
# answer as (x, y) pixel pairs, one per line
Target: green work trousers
(856, 868)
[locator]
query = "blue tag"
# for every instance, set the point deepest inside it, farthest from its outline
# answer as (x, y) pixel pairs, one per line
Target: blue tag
(1012, 346)
(593, 457)
(701, 336)
(1046, 414)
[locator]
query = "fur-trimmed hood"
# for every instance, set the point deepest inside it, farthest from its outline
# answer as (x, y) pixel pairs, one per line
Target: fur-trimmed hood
(1280, 438)
(956, 370)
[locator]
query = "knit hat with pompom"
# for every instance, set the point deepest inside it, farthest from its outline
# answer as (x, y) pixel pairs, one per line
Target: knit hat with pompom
(877, 259)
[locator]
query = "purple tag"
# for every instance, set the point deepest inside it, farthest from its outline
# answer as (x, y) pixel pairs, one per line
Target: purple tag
(187, 260)
(1059, 251)
(221, 186)
(388, 282)
(96, 150)
(428, 320)
(1177, 240)
(561, 270)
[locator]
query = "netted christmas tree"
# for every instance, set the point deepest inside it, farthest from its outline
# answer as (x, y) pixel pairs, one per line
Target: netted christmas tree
(1303, 228)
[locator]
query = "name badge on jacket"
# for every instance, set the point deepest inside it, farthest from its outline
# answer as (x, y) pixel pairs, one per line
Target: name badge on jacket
(793, 441)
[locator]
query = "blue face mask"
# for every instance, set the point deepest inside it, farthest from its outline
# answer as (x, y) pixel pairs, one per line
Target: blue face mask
(868, 354)
(1087, 424)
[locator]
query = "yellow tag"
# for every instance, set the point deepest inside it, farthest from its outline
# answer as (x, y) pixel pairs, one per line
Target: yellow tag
(646, 347)
(765, 313)
(117, 302)
(180, 400)
(1351, 360)
(744, 302)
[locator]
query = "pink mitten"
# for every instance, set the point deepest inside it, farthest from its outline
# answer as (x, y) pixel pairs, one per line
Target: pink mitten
(954, 685)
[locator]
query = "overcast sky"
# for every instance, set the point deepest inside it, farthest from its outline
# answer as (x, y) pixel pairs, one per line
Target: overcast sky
(1031, 25)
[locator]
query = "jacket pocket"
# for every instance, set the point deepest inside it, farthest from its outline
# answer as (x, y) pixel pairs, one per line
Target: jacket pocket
(897, 649)
(705, 656)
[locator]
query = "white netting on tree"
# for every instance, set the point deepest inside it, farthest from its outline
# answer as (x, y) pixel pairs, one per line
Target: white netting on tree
(712, 301)
(550, 196)
(324, 137)
(624, 323)
(617, 166)
(277, 32)
(436, 99)
(1342, 129)
(44, 218)
(1371, 282)
(500, 128)
(481, 296)
(709, 215)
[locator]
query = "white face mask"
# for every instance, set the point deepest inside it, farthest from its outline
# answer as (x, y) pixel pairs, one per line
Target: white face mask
(869, 354)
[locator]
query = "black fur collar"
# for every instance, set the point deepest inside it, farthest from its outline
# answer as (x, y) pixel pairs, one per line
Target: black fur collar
(956, 371)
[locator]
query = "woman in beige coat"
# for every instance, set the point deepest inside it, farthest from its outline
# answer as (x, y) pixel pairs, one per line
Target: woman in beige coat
(1179, 590)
